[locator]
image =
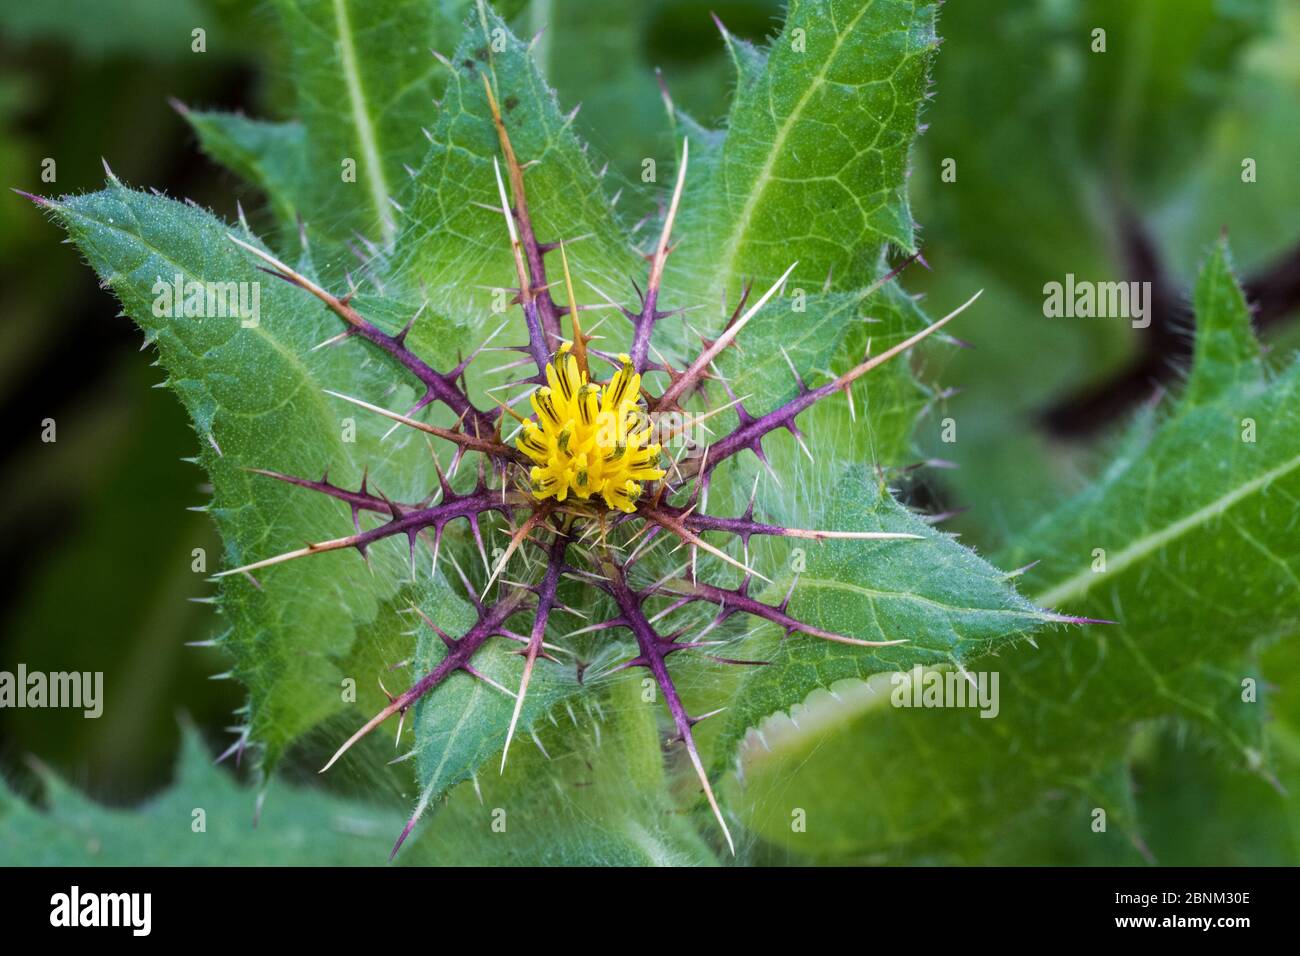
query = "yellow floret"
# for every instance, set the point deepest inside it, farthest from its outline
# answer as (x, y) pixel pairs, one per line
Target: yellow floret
(587, 439)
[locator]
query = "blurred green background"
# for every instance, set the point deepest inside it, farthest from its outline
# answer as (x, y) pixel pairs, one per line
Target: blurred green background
(1123, 164)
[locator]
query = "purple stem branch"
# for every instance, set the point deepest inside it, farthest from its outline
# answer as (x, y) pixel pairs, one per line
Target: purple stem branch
(653, 653)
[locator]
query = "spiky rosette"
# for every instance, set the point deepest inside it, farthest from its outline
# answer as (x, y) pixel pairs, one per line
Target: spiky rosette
(585, 479)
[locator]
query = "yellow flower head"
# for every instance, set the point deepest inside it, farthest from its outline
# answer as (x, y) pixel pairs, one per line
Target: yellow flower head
(589, 439)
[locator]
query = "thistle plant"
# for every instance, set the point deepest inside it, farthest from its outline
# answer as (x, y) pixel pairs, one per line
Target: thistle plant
(582, 482)
(572, 444)
(500, 404)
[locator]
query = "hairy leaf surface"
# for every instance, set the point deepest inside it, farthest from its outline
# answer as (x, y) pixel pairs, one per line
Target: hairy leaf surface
(300, 827)
(816, 151)
(1188, 542)
(256, 396)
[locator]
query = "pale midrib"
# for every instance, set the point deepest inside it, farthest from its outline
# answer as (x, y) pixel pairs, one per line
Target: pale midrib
(374, 171)
(778, 144)
(833, 585)
(453, 733)
(1080, 583)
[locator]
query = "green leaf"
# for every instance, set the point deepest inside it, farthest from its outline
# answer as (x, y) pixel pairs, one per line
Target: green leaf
(365, 79)
(1197, 524)
(463, 722)
(823, 335)
(815, 158)
(1190, 808)
(802, 333)
(942, 600)
(271, 156)
(460, 249)
(1150, 500)
(1149, 136)
(598, 795)
(255, 395)
(296, 827)
(589, 800)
